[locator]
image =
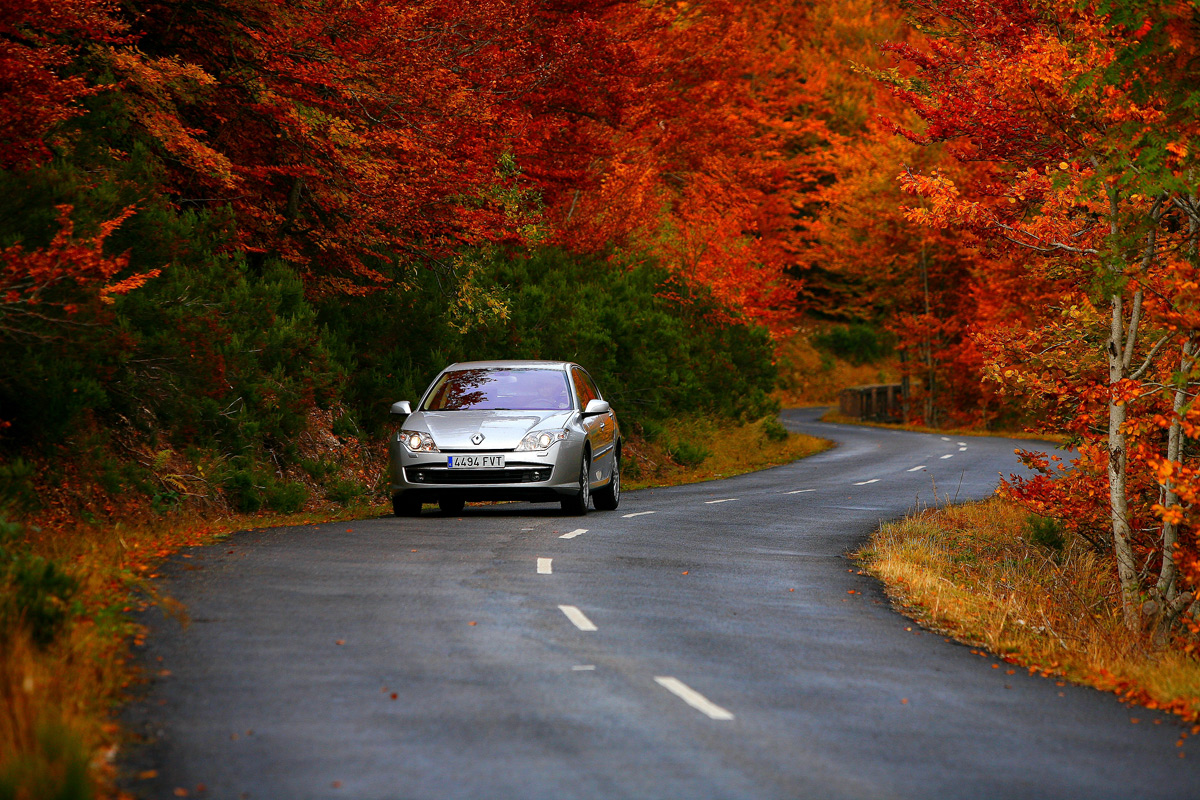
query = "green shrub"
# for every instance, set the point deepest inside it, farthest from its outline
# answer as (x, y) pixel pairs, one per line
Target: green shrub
(651, 429)
(773, 430)
(34, 591)
(1045, 532)
(345, 492)
(16, 486)
(657, 347)
(286, 497)
(243, 493)
(248, 491)
(687, 454)
(859, 343)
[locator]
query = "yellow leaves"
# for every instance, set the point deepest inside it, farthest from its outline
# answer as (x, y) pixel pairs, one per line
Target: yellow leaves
(476, 305)
(1172, 514)
(1178, 149)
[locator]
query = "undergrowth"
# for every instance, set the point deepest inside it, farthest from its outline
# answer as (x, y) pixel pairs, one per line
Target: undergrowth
(1020, 586)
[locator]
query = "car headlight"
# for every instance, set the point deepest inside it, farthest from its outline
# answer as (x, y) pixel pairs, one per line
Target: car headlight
(418, 441)
(541, 440)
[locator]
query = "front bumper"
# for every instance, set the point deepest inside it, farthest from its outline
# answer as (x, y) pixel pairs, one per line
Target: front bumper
(532, 476)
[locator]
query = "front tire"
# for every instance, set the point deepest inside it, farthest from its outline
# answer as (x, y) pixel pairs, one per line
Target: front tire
(577, 504)
(405, 506)
(607, 498)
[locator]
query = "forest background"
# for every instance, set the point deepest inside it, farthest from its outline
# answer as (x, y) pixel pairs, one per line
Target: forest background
(233, 232)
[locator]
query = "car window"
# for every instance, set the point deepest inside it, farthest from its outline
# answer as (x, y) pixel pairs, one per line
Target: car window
(584, 388)
(500, 389)
(592, 385)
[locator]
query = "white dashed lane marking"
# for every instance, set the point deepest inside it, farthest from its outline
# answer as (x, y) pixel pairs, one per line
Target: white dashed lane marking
(914, 469)
(574, 533)
(961, 449)
(864, 483)
(638, 514)
(948, 455)
(945, 438)
(726, 500)
(802, 491)
(544, 566)
(693, 698)
(578, 618)
(583, 667)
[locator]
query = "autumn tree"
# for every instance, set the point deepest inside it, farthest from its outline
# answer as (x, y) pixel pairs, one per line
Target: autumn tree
(1088, 177)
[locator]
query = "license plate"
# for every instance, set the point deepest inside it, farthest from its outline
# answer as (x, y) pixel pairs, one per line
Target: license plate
(475, 462)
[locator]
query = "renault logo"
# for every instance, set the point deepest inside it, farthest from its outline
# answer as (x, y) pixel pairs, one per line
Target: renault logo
(476, 438)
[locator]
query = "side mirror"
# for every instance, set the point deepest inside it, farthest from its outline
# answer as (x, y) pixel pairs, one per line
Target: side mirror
(595, 407)
(402, 408)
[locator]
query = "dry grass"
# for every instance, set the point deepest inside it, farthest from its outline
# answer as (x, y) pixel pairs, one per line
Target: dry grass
(969, 571)
(733, 449)
(58, 737)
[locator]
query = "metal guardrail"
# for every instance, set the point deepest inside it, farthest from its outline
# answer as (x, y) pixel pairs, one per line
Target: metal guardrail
(879, 402)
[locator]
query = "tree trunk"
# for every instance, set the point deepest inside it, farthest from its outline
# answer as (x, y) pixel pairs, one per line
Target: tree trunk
(1167, 588)
(1117, 462)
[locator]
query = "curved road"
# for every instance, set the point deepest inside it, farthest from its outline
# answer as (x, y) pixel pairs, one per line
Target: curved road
(700, 642)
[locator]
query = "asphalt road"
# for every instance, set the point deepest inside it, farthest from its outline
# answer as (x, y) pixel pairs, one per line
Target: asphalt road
(700, 642)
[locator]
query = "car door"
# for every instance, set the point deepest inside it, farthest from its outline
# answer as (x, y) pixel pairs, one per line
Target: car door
(601, 428)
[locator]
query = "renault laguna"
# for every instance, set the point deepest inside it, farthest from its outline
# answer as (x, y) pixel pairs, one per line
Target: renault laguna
(507, 430)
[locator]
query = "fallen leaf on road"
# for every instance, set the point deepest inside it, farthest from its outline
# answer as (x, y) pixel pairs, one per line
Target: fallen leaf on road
(147, 774)
(340, 641)
(470, 623)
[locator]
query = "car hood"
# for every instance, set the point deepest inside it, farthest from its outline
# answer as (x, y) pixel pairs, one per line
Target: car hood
(502, 430)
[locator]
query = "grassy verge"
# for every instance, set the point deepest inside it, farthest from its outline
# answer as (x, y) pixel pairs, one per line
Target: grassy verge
(58, 737)
(981, 574)
(57, 734)
(690, 451)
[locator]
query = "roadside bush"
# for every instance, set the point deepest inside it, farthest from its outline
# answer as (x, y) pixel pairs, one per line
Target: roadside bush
(773, 430)
(34, 591)
(248, 491)
(1045, 532)
(345, 493)
(859, 343)
(687, 454)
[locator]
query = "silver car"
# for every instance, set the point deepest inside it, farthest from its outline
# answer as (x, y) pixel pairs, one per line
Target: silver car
(507, 430)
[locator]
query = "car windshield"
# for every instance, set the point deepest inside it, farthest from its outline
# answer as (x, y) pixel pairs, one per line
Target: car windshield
(500, 389)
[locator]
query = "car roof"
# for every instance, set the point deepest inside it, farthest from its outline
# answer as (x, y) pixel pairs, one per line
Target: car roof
(509, 364)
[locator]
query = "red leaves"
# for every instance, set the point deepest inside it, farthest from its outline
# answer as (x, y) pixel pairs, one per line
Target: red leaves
(53, 283)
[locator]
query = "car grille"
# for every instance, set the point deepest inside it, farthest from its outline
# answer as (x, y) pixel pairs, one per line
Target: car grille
(476, 477)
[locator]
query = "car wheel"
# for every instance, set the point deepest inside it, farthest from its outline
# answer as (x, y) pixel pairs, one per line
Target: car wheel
(451, 505)
(578, 503)
(609, 497)
(405, 506)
